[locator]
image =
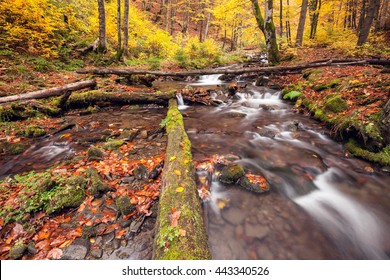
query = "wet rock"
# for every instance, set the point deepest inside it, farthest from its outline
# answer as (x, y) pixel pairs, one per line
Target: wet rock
(143, 134)
(78, 250)
(139, 147)
(17, 251)
(116, 243)
(113, 145)
(267, 133)
(32, 249)
(233, 216)
(235, 115)
(231, 174)
(262, 81)
(231, 157)
(129, 135)
(97, 187)
(141, 172)
(255, 230)
(124, 205)
(107, 238)
(96, 253)
(293, 125)
(227, 77)
(128, 180)
(95, 154)
(89, 231)
(245, 183)
(264, 253)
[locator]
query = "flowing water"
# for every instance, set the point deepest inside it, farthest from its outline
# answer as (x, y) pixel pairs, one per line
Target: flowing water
(323, 205)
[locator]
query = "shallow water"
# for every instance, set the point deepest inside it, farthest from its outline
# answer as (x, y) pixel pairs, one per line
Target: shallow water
(323, 205)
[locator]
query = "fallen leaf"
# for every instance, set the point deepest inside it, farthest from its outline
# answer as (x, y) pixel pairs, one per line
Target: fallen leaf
(179, 189)
(177, 172)
(182, 232)
(172, 158)
(65, 244)
(174, 217)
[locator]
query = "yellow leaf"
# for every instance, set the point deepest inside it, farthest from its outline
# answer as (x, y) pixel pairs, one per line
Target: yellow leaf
(65, 135)
(182, 232)
(172, 158)
(177, 172)
(186, 161)
(179, 189)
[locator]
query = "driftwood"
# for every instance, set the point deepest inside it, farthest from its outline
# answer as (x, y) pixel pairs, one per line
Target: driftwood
(180, 230)
(56, 91)
(259, 70)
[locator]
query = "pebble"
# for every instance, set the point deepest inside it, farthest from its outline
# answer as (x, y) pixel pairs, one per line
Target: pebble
(233, 216)
(96, 253)
(256, 231)
(264, 253)
(77, 250)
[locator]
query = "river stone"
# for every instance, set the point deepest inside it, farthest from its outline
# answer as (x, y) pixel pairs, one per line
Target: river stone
(255, 230)
(235, 114)
(246, 184)
(231, 174)
(78, 250)
(233, 216)
(95, 154)
(124, 205)
(17, 251)
(141, 172)
(293, 125)
(264, 253)
(96, 253)
(143, 134)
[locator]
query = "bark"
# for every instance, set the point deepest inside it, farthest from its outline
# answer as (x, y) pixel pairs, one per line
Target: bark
(56, 91)
(383, 14)
(126, 28)
(102, 47)
(315, 7)
(118, 26)
(386, 122)
(186, 15)
(301, 24)
(281, 17)
(373, 6)
(258, 15)
(270, 34)
(180, 230)
(259, 70)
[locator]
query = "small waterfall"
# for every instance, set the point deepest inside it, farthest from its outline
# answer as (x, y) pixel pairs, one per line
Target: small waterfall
(209, 80)
(180, 101)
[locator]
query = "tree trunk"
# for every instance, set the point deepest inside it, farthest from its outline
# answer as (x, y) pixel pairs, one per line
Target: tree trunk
(270, 34)
(288, 28)
(180, 230)
(314, 8)
(208, 19)
(301, 24)
(118, 27)
(373, 6)
(258, 15)
(102, 47)
(126, 28)
(281, 17)
(383, 15)
(186, 17)
(56, 91)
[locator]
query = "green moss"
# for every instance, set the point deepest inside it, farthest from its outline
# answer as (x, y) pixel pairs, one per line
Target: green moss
(94, 154)
(312, 75)
(332, 84)
(293, 95)
(17, 251)
(96, 186)
(382, 158)
(231, 174)
(113, 145)
(66, 197)
(335, 104)
(16, 148)
(124, 205)
(373, 131)
(34, 131)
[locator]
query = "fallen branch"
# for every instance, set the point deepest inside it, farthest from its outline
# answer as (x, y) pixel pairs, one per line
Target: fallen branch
(180, 231)
(259, 70)
(56, 91)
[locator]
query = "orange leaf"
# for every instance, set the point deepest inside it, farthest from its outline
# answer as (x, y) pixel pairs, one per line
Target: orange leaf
(177, 172)
(182, 232)
(66, 244)
(174, 217)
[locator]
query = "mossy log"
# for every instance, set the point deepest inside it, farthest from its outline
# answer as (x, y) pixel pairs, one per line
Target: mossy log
(181, 233)
(85, 99)
(226, 71)
(56, 91)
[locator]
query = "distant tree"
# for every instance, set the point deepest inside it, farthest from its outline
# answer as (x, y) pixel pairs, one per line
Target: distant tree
(102, 47)
(119, 27)
(368, 16)
(314, 10)
(126, 28)
(301, 23)
(268, 28)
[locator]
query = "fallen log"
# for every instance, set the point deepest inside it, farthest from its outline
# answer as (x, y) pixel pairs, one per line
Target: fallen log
(259, 70)
(56, 91)
(181, 233)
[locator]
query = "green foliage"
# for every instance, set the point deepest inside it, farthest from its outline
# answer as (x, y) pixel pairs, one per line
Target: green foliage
(292, 95)
(335, 103)
(382, 157)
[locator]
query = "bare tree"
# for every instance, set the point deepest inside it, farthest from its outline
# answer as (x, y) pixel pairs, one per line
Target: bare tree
(301, 24)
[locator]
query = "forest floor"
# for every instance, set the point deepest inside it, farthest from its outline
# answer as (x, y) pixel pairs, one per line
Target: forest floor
(129, 157)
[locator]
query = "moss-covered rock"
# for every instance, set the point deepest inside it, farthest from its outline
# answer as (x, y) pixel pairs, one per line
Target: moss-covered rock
(97, 187)
(113, 145)
(17, 251)
(335, 104)
(67, 197)
(312, 75)
(382, 157)
(94, 154)
(334, 83)
(141, 172)
(231, 174)
(245, 183)
(34, 131)
(124, 205)
(293, 95)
